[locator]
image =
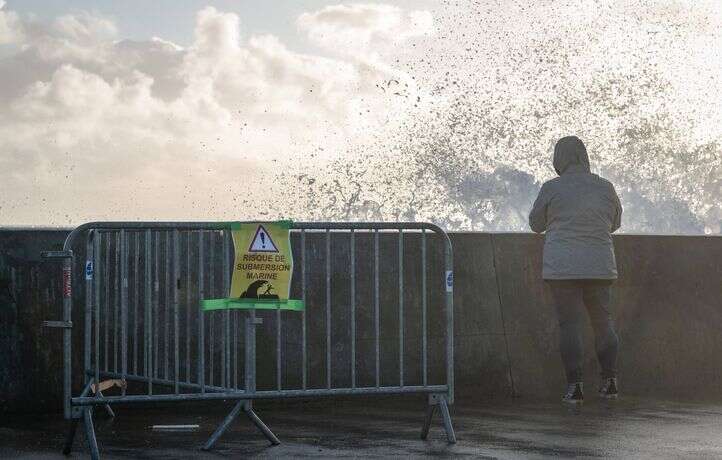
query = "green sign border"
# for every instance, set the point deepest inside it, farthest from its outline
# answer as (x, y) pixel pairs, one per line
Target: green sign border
(252, 304)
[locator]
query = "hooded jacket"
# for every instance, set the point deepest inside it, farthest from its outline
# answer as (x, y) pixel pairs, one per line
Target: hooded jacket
(578, 211)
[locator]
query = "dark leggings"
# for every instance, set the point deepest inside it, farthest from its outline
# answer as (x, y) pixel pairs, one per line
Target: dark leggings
(572, 298)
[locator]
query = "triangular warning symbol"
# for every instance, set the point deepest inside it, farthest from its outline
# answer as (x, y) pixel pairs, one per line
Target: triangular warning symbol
(262, 242)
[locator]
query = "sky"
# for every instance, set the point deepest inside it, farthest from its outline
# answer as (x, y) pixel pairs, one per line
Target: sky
(443, 110)
(174, 20)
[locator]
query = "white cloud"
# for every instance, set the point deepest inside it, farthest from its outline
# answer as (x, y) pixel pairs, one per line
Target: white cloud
(364, 28)
(10, 26)
(92, 126)
(84, 27)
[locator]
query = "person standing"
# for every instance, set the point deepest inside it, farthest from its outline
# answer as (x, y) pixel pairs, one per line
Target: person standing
(578, 211)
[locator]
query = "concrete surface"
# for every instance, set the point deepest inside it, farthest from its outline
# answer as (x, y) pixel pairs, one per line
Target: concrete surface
(668, 306)
(624, 429)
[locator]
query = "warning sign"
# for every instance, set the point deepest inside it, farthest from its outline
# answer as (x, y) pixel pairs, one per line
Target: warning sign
(262, 269)
(264, 262)
(262, 242)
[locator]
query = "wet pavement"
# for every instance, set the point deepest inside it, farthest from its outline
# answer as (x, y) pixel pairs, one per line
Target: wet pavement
(629, 428)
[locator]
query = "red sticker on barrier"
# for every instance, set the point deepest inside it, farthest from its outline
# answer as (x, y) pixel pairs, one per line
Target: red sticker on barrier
(67, 284)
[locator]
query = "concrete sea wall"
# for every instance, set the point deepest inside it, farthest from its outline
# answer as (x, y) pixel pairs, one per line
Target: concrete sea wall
(667, 305)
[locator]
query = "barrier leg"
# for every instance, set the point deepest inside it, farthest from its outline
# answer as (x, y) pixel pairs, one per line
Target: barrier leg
(430, 409)
(90, 433)
(439, 400)
(223, 426)
(248, 409)
(70, 437)
(110, 412)
(450, 435)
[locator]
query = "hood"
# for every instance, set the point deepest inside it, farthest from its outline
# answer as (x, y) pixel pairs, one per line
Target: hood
(570, 155)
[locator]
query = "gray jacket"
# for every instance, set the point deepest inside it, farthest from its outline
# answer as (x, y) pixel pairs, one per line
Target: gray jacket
(578, 211)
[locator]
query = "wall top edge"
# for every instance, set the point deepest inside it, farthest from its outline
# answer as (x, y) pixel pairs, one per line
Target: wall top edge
(11, 228)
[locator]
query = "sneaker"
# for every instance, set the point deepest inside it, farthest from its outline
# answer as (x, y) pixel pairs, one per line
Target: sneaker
(609, 389)
(575, 394)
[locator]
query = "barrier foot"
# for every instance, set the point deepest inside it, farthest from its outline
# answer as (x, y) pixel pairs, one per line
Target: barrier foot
(223, 426)
(440, 401)
(248, 409)
(90, 433)
(70, 437)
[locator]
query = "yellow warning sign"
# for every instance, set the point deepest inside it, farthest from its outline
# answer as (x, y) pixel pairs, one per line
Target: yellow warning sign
(264, 262)
(262, 268)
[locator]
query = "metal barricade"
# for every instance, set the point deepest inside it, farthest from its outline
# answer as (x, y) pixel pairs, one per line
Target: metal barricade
(143, 329)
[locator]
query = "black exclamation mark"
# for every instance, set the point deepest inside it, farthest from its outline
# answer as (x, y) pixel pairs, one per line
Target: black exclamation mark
(263, 240)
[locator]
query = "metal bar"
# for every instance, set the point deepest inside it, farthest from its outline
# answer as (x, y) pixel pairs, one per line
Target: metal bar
(424, 357)
(353, 309)
(124, 303)
(376, 307)
(106, 226)
(106, 305)
(304, 355)
(250, 351)
(278, 348)
(188, 306)
(401, 307)
(448, 284)
(225, 368)
(430, 409)
(89, 299)
(328, 308)
(136, 268)
(56, 254)
(107, 408)
(58, 324)
(89, 377)
(90, 433)
(147, 324)
(264, 394)
(223, 426)
(116, 302)
(444, 409)
(201, 326)
(97, 243)
(163, 382)
(156, 305)
(166, 306)
(235, 349)
(248, 409)
(212, 314)
(176, 305)
(67, 335)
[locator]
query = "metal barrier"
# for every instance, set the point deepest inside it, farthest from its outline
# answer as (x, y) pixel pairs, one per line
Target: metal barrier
(144, 332)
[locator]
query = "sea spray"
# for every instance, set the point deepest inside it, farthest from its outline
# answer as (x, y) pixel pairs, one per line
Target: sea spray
(476, 153)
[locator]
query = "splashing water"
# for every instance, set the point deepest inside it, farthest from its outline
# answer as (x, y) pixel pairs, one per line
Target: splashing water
(639, 82)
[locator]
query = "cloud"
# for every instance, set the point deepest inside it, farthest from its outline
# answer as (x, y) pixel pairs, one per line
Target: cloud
(10, 26)
(93, 126)
(84, 27)
(364, 28)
